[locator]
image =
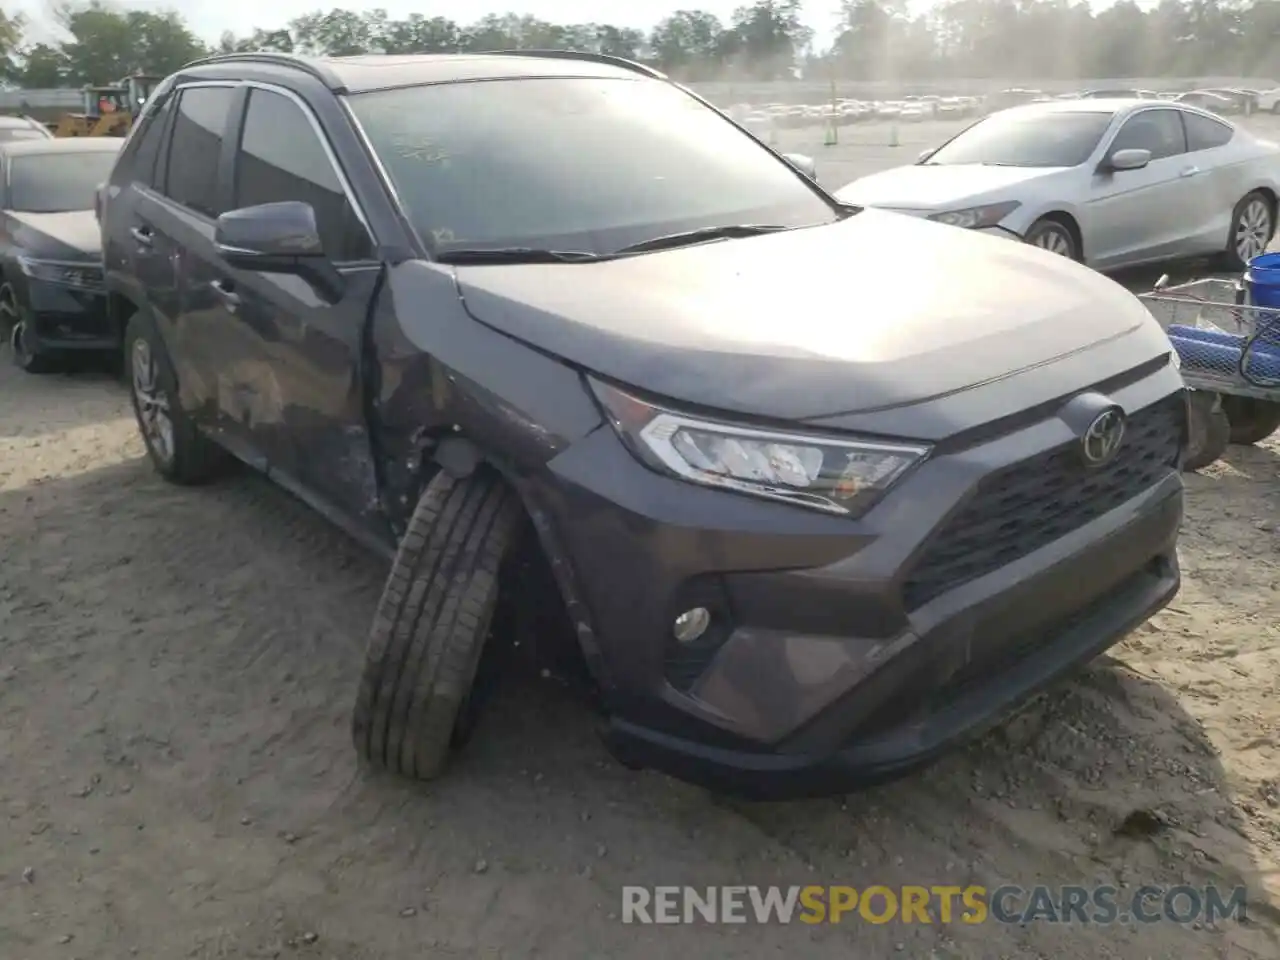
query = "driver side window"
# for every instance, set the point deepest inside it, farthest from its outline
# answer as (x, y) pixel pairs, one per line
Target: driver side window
(1159, 131)
(281, 158)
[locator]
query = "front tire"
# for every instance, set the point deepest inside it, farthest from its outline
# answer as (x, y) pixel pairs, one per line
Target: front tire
(178, 451)
(432, 623)
(23, 348)
(1253, 225)
(1054, 236)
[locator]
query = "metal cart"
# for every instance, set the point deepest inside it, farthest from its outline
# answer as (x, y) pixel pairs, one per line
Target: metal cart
(1230, 355)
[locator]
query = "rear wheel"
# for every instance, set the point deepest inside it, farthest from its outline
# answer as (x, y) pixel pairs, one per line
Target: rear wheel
(178, 451)
(1251, 420)
(415, 699)
(1209, 431)
(1054, 236)
(1252, 226)
(24, 349)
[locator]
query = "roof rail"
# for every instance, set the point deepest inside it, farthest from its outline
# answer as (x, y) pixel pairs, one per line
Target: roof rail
(313, 67)
(606, 58)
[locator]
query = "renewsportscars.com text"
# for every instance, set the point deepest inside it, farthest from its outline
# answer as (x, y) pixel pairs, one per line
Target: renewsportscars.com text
(816, 904)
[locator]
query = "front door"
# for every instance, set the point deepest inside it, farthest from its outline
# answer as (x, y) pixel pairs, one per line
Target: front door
(1139, 215)
(305, 350)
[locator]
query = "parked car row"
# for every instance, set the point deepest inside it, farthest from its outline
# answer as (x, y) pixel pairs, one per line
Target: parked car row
(845, 111)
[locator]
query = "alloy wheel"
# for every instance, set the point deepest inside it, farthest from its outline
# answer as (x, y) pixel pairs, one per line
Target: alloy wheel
(152, 401)
(11, 320)
(1054, 240)
(1253, 229)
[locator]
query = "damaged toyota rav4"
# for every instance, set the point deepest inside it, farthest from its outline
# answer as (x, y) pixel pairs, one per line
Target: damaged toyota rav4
(816, 491)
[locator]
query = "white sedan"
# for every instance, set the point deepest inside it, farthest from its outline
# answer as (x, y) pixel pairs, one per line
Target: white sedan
(1112, 183)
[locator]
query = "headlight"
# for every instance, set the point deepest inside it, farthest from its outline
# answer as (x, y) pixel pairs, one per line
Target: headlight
(83, 276)
(970, 218)
(825, 473)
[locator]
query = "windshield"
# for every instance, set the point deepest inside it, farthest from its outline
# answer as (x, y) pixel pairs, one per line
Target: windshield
(577, 164)
(57, 182)
(1027, 140)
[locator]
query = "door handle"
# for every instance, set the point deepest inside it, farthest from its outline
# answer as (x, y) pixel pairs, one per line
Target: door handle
(142, 235)
(1189, 172)
(223, 288)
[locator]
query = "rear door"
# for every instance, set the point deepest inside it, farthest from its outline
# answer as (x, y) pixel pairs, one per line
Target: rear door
(1138, 215)
(168, 233)
(138, 261)
(196, 189)
(298, 357)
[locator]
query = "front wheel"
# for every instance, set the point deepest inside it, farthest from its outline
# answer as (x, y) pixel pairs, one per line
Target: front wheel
(416, 699)
(1054, 236)
(23, 347)
(1252, 226)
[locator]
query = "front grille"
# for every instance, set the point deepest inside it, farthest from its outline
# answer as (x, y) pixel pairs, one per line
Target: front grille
(1021, 508)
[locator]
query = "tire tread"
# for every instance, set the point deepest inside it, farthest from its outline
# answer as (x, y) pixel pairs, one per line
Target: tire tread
(430, 625)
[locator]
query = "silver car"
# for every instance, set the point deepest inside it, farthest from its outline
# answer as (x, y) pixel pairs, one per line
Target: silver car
(1111, 183)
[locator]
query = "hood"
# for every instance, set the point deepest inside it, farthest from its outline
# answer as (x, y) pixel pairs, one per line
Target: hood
(65, 236)
(873, 311)
(937, 187)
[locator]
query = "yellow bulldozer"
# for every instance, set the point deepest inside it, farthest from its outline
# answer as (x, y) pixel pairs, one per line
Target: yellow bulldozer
(108, 111)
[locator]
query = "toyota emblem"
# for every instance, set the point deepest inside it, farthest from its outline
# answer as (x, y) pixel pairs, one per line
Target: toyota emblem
(1102, 438)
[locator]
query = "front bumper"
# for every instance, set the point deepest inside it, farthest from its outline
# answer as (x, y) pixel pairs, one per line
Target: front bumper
(68, 318)
(835, 660)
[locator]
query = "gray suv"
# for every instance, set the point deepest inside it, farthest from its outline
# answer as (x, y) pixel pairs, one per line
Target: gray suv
(813, 491)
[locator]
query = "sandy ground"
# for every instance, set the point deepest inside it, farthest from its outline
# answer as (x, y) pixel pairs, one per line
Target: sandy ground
(176, 780)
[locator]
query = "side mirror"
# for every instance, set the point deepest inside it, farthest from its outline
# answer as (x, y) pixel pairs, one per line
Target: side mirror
(1133, 159)
(278, 238)
(802, 163)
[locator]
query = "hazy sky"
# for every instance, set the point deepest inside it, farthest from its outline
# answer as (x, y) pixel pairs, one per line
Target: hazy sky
(209, 18)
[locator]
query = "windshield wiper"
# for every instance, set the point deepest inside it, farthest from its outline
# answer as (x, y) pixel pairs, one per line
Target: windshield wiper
(483, 255)
(687, 237)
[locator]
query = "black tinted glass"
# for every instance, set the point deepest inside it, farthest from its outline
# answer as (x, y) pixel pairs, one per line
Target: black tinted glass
(145, 147)
(281, 158)
(196, 146)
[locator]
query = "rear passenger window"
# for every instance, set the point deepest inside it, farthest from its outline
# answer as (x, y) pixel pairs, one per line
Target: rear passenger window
(281, 157)
(139, 165)
(195, 147)
(1205, 134)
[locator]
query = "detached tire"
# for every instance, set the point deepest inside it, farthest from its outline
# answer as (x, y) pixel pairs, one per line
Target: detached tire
(431, 624)
(1209, 431)
(1251, 420)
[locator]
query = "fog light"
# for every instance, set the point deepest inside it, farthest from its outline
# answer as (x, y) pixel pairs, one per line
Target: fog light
(691, 624)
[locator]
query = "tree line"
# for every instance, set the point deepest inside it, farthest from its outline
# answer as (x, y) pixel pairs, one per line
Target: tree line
(766, 40)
